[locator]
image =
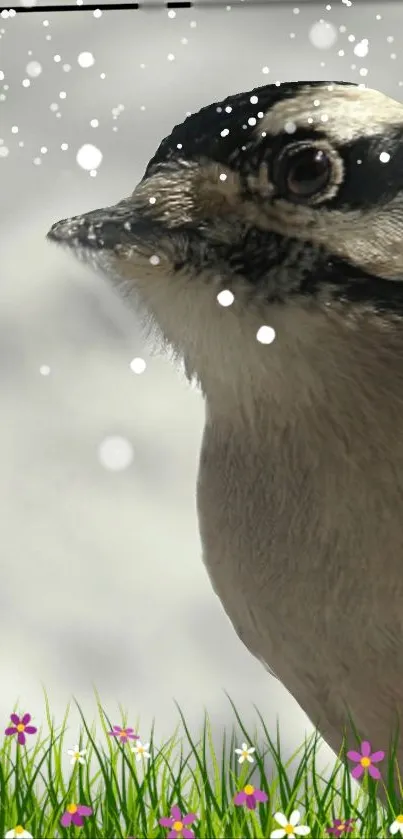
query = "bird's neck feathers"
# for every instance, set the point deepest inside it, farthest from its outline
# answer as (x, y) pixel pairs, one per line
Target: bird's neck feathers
(328, 362)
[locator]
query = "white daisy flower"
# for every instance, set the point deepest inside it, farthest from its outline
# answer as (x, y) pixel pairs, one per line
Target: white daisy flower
(245, 753)
(397, 825)
(18, 832)
(289, 826)
(76, 755)
(140, 750)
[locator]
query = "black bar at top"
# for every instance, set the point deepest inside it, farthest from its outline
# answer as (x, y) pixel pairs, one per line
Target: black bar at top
(181, 4)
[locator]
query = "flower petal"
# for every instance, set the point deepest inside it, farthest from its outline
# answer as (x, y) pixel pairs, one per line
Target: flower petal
(11, 730)
(260, 795)
(374, 772)
(173, 834)
(166, 821)
(302, 830)
(251, 802)
(15, 719)
(295, 817)
(377, 756)
(352, 755)
(30, 729)
(176, 813)
(281, 819)
(77, 819)
(84, 810)
(189, 819)
(277, 834)
(240, 797)
(357, 772)
(365, 748)
(187, 834)
(65, 819)
(21, 738)
(26, 718)
(394, 827)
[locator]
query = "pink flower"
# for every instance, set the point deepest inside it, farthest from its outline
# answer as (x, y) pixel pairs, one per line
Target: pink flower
(365, 761)
(124, 734)
(250, 796)
(20, 727)
(178, 824)
(74, 813)
(340, 826)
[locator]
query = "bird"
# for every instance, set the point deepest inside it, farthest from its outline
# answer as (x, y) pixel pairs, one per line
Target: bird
(263, 247)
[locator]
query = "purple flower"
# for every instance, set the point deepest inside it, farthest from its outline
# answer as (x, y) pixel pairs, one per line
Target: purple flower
(20, 727)
(74, 814)
(178, 824)
(340, 826)
(250, 796)
(124, 734)
(365, 761)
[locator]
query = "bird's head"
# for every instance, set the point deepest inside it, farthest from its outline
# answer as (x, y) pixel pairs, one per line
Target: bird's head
(289, 196)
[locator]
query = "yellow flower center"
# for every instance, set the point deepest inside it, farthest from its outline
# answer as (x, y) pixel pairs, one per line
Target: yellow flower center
(20, 727)
(341, 826)
(18, 829)
(140, 748)
(365, 761)
(249, 789)
(399, 819)
(244, 754)
(72, 808)
(288, 828)
(177, 826)
(77, 755)
(122, 732)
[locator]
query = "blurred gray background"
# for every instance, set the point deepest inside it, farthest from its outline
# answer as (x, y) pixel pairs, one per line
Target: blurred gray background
(101, 574)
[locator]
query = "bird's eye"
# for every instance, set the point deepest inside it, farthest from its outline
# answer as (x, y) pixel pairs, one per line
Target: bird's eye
(302, 172)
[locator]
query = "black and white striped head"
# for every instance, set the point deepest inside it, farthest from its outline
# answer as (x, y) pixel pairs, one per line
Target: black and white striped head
(287, 195)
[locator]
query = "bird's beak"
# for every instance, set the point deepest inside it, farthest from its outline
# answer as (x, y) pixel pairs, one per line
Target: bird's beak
(107, 228)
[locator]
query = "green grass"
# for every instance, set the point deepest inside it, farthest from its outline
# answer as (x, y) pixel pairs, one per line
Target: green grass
(128, 797)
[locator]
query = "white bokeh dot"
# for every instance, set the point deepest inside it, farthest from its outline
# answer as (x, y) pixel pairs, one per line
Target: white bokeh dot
(115, 453)
(225, 297)
(33, 69)
(361, 49)
(138, 365)
(86, 59)
(266, 334)
(89, 157)
(322, 35)
(44, 370)
(154, 259)
(384, 157)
